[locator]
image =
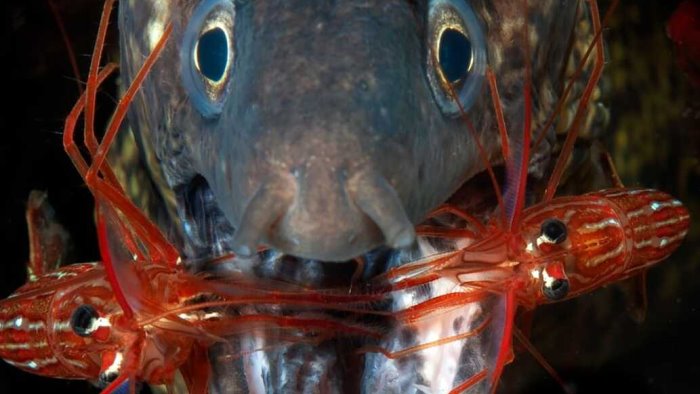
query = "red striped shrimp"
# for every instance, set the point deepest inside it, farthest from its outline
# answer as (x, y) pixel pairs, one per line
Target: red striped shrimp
(67, 323)
(557, 249)
(138, 316)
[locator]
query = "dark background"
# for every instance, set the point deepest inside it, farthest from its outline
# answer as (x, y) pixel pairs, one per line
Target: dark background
(590, 341)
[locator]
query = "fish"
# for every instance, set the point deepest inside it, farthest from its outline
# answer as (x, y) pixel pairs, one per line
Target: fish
(308, 262)
(194, 212)
(325, 136)
(327, 133)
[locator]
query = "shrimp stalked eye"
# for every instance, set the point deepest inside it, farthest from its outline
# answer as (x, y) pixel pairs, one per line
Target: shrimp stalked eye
(84, 321)
(112, 364)
(556, 289)
(555, 284)
(106, 378)
(553, 231)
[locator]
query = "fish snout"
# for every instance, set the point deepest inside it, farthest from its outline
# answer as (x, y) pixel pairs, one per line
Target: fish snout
(319, 212)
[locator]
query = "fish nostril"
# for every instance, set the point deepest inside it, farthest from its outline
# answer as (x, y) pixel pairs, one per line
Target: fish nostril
(267, 205)
(379, 200)
(318, 212)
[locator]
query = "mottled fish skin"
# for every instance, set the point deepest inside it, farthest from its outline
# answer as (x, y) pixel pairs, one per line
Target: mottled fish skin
(324, 92)
(324, 100)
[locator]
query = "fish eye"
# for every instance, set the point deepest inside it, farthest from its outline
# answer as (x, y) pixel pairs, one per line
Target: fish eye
(555, 289)
(553, 231)
(456, 59)
(84, 320)
(207, 55)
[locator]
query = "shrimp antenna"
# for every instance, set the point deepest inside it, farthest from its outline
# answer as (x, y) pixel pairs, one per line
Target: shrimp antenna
(107, 189)
(514, 196)
(141, 224)
(520, 336)
(480, 148)
(92, 85)
(585, 98)
(67, 43)
(517, 162)
(570, 84)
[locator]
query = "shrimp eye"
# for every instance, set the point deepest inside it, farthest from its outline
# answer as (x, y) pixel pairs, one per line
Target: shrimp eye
(553, 231)
(114, 361)
(106, 378)
(555, 289)
(456, 58)
(83, 322)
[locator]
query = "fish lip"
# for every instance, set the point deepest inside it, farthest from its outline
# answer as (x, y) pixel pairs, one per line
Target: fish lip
(269, 203)
(378, 199)
(359, 213)
(307, 230)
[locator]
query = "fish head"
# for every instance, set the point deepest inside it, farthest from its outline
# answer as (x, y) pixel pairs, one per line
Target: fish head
(321, 129)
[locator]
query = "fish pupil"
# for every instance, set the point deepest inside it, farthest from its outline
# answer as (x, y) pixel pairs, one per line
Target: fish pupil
(212, 54)
(455, 55)
(83, 321)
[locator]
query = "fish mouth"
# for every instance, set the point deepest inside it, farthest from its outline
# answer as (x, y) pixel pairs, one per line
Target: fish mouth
(323, 215)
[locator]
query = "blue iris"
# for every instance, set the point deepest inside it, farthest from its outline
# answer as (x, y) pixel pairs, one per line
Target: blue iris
(455, 55)
(212, 54)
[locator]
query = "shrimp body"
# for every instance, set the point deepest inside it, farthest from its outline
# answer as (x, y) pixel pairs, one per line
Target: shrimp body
(559, 249)
(589, 240)
(35, 323)
(68, 324)
(608, 235)
(525, 256)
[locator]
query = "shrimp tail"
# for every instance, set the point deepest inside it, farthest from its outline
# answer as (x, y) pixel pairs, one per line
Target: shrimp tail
(634, 289)
(49, 242)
